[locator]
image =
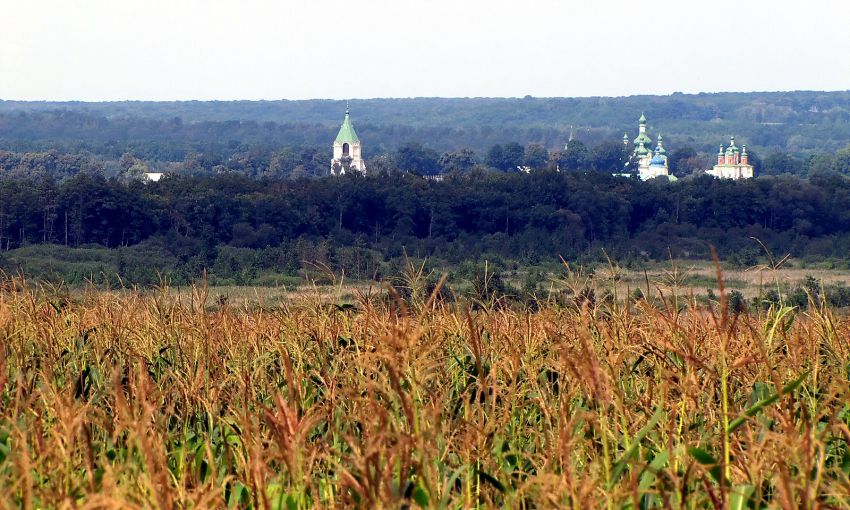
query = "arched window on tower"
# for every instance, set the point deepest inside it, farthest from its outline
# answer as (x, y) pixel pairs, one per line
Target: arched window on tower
(345, 149)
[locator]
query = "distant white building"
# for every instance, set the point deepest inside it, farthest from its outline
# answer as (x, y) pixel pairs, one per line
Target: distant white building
(732, 163)
(651, 163)
(153, 176)
(347, 155)
(655, 164)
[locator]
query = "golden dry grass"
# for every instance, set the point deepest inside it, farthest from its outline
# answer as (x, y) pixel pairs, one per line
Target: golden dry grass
(129, 400)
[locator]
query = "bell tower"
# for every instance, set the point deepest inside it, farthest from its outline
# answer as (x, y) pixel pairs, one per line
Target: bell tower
(347, 155)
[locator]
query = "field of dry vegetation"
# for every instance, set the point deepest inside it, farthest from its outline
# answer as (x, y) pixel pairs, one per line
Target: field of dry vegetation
(147, 400)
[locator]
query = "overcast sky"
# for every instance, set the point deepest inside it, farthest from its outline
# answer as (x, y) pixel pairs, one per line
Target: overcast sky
(253, 49)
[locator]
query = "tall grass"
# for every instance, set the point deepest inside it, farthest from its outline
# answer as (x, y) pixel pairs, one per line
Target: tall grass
(143, 400)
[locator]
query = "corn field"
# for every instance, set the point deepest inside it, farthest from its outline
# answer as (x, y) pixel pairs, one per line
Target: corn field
(138, 399)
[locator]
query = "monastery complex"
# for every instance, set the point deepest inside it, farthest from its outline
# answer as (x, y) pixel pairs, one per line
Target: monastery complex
(732, 163)
(651, 163)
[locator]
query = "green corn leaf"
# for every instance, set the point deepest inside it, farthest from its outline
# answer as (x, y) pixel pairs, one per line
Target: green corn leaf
(739, 496)
(702, 456)
(291, 503)
(766, 401)
(275, 494)
(623, 461)
(237, 495)
(706, 459)
(491, 480)
(656, 465)
(420, 496)
(451, 482)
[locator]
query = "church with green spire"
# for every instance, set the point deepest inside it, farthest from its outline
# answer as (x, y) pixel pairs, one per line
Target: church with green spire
(651, 162)
(346, 149)
(643, 142)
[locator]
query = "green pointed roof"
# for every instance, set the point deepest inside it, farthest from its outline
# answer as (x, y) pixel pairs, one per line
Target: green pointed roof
(642, 150)
(643, 143)
(346, 131)
(642, 139)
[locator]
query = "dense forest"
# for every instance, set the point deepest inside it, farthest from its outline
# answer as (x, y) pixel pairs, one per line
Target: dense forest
(292, 162)
(239, 227)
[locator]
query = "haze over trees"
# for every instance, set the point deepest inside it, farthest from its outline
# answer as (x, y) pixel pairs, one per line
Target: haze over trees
(794, 122)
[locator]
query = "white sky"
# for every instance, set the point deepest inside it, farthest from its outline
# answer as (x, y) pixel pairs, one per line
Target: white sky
(254, 49)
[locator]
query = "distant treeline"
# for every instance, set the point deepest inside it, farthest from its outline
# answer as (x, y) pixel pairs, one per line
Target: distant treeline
(357, 223)
(795, 122)
(608, 156)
